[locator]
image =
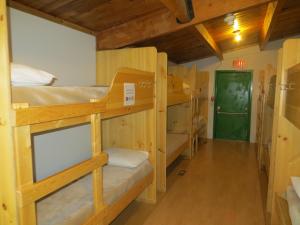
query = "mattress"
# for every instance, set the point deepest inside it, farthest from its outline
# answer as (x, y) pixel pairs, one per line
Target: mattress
(49, 95)
(294, 205)
(174, 141)
(73, 204)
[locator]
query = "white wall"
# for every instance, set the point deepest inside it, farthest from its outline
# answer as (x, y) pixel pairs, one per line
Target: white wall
(260, 62)
(71, 56)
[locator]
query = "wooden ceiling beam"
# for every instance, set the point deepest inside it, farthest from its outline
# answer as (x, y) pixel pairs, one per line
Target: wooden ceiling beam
(179, 9)
(273, 10)
(164, 22)
(209, 41)
(35, 12)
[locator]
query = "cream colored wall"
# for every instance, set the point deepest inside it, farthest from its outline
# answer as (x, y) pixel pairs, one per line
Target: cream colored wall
(71, 56)
(260, 62)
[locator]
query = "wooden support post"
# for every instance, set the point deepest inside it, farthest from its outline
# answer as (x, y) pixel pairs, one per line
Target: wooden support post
(161, 123)
(8, 205)
(97, 173)
(23, 154)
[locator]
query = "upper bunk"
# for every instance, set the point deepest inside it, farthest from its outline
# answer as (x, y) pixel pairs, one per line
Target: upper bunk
(177, 91)
(130, 91)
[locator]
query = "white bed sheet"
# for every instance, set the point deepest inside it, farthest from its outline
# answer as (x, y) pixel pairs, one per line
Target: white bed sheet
(174, 141)
(50, 95)
(73, 204)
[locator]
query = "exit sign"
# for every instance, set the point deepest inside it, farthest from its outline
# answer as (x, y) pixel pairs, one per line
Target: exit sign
(239, 64)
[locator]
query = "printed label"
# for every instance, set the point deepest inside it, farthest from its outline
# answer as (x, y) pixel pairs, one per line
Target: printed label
(129, 94)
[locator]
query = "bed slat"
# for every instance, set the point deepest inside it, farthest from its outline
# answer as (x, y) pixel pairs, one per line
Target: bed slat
(53, 125)
(30, 193)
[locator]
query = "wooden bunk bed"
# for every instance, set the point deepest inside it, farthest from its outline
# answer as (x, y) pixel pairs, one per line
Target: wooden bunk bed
(179, 121)
(19, 120)
(285, 154)
(265, 121)
(144, 59)
(29, 120)
(198, 88)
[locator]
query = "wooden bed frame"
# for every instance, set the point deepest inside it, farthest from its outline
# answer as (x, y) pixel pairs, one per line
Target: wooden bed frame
(285, 153)
(28, 120)
(198, 82)
(171, 93)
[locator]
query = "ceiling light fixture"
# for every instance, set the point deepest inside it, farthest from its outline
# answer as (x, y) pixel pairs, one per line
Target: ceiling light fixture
(238, 37)
(229, 19)
(235, 25)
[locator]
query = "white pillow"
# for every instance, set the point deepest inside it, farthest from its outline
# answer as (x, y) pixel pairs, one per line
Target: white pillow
(125, 157)
(296, 185)
(22, 75)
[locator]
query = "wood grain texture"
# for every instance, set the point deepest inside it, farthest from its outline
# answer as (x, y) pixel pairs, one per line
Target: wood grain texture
(111, 105)
(88, 16)
(142, 125)
(177, 93)
(283, 211)
(208, 39)
(178, 8)
(161, 122)
(161, 23)
(8, 209)
(273, 10)
(24, 173)
(181, 46)
(288, 21)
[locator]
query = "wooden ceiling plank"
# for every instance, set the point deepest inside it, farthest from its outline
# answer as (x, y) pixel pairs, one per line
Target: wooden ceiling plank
(209, 41)
(273, 10)
(178, 9)
(35, 12)
(164, 22)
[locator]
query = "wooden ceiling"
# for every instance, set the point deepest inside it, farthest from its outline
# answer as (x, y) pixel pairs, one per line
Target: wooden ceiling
(126, 23)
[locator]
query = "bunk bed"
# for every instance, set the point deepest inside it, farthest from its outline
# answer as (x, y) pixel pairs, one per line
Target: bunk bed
(179, 128)
(283, 194)
(198, 88)
(89, 192)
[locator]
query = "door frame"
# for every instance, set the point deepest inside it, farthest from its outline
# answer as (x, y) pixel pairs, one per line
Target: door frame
(250, 99)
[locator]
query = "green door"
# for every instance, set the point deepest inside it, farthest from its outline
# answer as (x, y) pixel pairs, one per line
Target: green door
(232, 105)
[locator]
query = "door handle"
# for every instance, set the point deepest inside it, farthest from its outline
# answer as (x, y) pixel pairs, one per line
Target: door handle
(232, 113)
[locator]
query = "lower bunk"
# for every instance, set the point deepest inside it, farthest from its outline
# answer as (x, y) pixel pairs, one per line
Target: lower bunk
(73, 204)
(177, 143)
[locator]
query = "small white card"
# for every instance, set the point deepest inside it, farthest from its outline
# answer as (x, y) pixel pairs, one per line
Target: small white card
(129, 94)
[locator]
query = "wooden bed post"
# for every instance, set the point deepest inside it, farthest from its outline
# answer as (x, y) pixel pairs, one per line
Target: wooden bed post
(97, 173)
(161, 122)
(8, 204)
(24, 172)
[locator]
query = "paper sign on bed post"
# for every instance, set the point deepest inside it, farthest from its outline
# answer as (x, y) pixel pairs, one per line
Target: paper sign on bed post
(129, 94)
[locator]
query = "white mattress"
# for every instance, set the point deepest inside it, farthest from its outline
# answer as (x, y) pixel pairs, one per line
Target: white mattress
(174, 141)
(49, 95)
(73, 204)
(294, 205)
